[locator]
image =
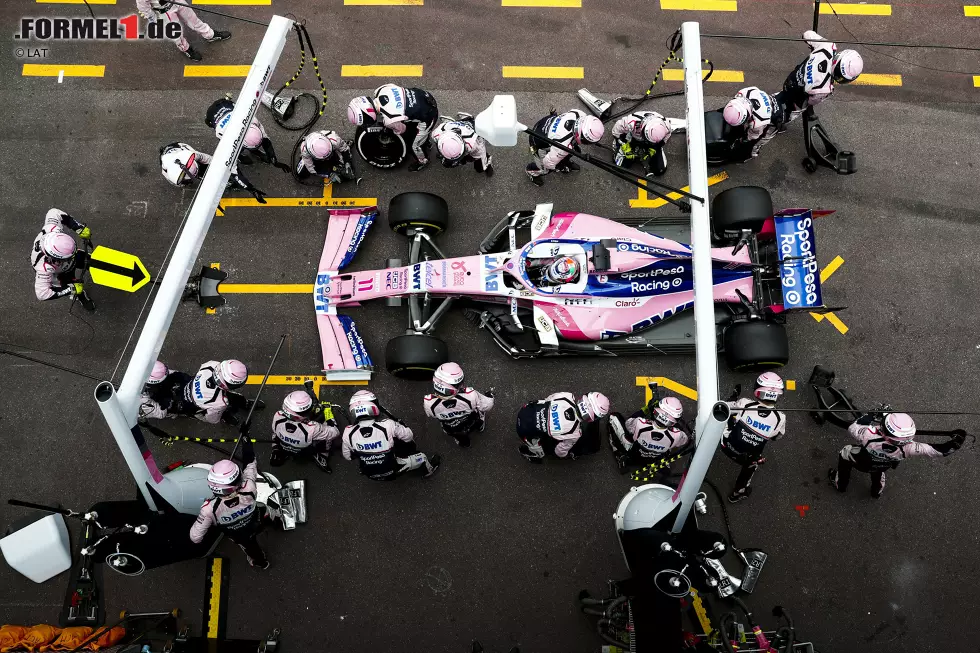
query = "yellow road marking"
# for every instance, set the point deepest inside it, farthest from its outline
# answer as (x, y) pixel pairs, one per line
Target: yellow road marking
(971, 10)
(232, 2)
(675, 75)
(859, 9)
(868, 79)
(76, 2)
(266, 288)
(976, 80)
(678, 388)
(831, 267)
(213, 311)
(831, 317)
(403, 3)
(700, 5)
(543, 72)
(328, 200)
(198, 70)
(380, 71)
(55, 70)
(643, 200)
(214, 605)
(569, 4)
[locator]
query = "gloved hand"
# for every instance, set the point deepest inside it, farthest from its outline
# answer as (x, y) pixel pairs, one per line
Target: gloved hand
(490, 392)
(84, 233)
(323, 462)
(76, 288)
(259, 196)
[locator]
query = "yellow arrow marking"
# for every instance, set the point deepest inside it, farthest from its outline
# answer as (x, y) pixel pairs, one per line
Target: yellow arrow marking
(643, 200)
(825, 274)
(113, 279)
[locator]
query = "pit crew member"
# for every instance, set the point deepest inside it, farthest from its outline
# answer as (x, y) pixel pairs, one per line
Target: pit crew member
(58, 265)
(553, 425)
(459, 409)
(752, 424)
(569, 129)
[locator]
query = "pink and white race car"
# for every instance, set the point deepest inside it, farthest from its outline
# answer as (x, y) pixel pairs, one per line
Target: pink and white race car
(630, 292)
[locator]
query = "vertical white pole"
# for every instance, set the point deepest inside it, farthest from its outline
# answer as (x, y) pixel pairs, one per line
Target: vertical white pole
(710, 420)
(120, 409)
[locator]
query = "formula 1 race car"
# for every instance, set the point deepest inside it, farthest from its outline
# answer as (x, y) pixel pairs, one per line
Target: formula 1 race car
(630, 291)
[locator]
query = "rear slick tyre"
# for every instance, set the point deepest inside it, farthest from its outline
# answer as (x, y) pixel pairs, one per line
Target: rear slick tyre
(756, 345)
(415, 356)
(744, 207)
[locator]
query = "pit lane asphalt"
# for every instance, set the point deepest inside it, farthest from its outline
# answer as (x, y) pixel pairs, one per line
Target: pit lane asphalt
(494, 548)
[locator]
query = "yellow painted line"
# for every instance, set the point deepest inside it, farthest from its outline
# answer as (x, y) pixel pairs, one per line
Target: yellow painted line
(972, 11)
(394, 3)
(568, 4)
(790, 384)
(675, 75)
(329, 202)
(859, 9)
(197, 70)
(643, 200)
(266, 288)
(700, 5)
(380, 71)
(831, 267)
(976, 80)
(298, 379)
(75, 2)
(868, 79)
(214, 605)
(670, 384)
(840, 326)
(264, 3)
(55, 70)
(213, 311)
(543, 72)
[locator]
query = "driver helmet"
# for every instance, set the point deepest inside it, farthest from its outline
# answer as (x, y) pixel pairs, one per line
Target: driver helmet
(361, 111)
(737, 111)
(655, 128)
(899, 428)
(593, 406)
(451, 146)
(562, 270)
(231, 374)
(224, 478)
(769, 387)
(159, 372)
(297, 404)
(253, 136)
(318, 145)
(848, 65)
(364, 405)
(58, 245)
(667, 411)
(589, 129)
(448, 379)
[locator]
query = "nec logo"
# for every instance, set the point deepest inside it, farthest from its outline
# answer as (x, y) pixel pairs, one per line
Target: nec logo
(369, 446)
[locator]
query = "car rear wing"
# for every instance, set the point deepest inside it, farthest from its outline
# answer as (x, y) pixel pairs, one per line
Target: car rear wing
(798, 270)
(345, 358)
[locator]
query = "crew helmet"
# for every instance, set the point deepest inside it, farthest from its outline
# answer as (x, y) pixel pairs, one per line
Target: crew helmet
(224, 478)
(593, 406)
(667, 411)
(769, 387)
(364, 405)
(231, 374)
(448, 379)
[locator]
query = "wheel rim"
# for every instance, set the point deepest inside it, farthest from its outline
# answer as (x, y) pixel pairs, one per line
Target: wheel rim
(381, 149)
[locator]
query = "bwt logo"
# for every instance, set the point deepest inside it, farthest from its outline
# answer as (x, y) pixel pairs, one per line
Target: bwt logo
(370, 446)
(95, 29)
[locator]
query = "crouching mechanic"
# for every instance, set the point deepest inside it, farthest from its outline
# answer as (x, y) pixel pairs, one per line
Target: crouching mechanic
(758, 115)
(325, 154)
(813, 80)
(458, 144)
(399, 107)
(181, 164)
(752, 424)
(884, 443)
(569, 129)
(233, 508)
(384, 448)
(554, 424)
(646, 440)
(57, 263)
(642, 135)
(303, 427)
(163, 394)
(459, 409)
(212, 392)
(256, 139)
